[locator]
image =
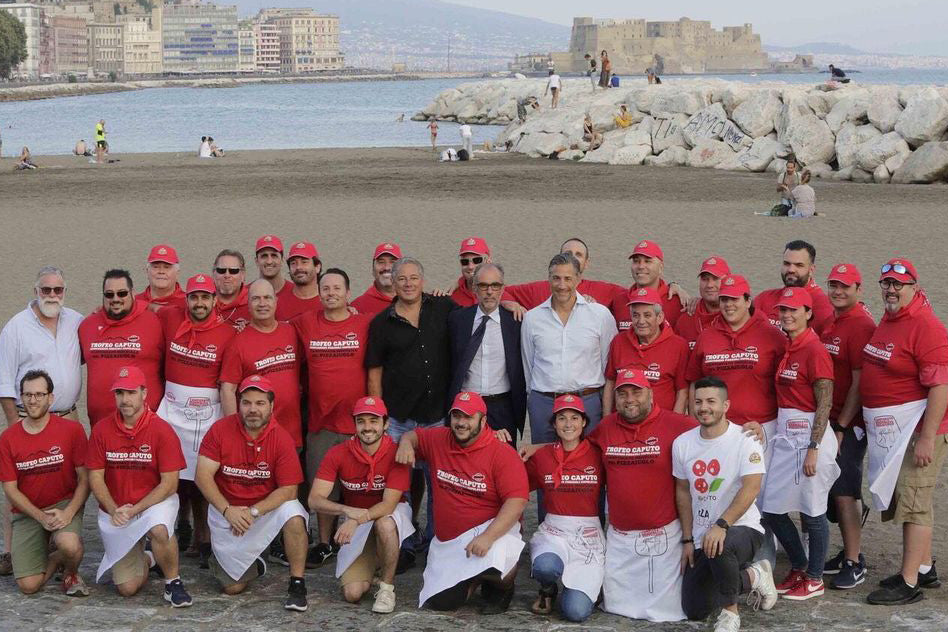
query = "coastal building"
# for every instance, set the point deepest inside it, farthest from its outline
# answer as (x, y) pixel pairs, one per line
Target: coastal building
(32, 17)
(143, 53)
(309, 41)
(534, 62)
(266, 46)
(200, 38)
(680, 47)
(246, 49)
(106, 48)
(69, 44)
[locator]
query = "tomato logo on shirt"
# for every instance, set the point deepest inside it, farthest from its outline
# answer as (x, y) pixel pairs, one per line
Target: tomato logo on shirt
(55, 450)
(699, 468)
(701, 485)
(714, 468)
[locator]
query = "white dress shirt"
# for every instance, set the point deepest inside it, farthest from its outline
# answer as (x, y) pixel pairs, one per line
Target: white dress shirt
(488, 372)
(560, 358)
(25, 344)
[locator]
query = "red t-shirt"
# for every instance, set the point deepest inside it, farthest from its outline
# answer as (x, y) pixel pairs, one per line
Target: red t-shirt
(372, 301)
(237, 312)
(530, 295)
(766, 302)
(804, 362)
(462, 295)
(664, 362)
(906, 355)
(250, 469)
(44, 464)
(844, 339)
(671, 307)
(640, 487)
(277, 356)
(364, 477)
(690, 326)
(176, 299)
(289, 305)
(571, 481)
(108, 345)
(134, 458)
(335, 352)
(470, 484)
(746, 360)
(194, 356)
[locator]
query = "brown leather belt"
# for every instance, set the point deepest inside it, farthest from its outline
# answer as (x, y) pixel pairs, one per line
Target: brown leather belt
(583, 393)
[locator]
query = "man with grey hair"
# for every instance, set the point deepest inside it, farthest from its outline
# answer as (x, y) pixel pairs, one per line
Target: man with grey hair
(409, 366)
(162, 272)
(44, 336)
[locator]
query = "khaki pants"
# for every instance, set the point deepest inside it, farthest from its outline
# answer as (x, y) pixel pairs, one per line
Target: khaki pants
(30, 544)
(913, 500)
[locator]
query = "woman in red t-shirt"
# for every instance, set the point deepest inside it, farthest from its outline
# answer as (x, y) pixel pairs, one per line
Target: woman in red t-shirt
(569, 545)
(802, 465)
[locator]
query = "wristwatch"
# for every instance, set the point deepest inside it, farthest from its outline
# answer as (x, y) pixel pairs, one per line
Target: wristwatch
(254, 512)
(813, 446)
(721, 522)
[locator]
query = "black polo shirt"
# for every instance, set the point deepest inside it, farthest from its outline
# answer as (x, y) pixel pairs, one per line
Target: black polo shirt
(416, 362)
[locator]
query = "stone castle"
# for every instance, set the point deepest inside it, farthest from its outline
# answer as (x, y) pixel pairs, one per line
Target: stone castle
(683, 47)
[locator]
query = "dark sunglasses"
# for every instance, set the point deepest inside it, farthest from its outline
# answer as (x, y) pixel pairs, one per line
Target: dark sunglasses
(46, 290)
(227, 270)
(119, 293)
(474, 260)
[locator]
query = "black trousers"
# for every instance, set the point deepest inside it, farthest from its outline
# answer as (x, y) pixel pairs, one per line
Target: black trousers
(716, 583)
(500, 415)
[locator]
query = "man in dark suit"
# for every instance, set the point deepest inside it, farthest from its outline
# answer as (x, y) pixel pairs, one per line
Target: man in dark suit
(485, 353)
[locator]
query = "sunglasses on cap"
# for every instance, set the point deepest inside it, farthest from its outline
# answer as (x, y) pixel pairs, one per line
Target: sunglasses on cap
(898, 268)
(475, 260)
(47, 290)
(119, 293)
(227, 270)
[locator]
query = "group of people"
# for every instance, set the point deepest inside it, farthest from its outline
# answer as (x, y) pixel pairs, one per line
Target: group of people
(797, 197)
(672, 437)
(209, 149)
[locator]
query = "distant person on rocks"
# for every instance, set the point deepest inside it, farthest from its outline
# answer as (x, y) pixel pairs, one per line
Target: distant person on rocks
(623, 119)
(804, 197)
(523, 104)
(554, 85)
(26, 160)
(216, 151)
(467, 140)
(614, 81)
(433, 128)
(204, 151)
(592, 70)
(590, 134)
(606, 70)
(81, 149)
(836, 73)
(101, 146)
(650, 75)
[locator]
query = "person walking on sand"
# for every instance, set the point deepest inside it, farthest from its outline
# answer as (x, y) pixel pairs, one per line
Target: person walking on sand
(606, 69)
(101, 147)
(433, 128)
(467, 140)
(554, 86)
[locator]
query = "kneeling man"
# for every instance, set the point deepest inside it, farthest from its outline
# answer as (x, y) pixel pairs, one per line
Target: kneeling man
(377, 518)
(133, 461)
(249, 472)
(480, 490)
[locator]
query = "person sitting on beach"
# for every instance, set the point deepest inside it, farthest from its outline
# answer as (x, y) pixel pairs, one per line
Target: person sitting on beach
(81, 149)
(787, 181)
(590, 134)
(523, 104)
(204, 151)
(623, 119)
(216, 151)
(803, 197)
(26, 160)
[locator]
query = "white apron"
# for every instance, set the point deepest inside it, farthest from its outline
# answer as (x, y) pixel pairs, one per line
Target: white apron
(235, 553)
(191, 411)
(580, 543)
(787, 488)
(118, 541)
(348, 553)
(889, 431)
(448, 564)
(643, 573)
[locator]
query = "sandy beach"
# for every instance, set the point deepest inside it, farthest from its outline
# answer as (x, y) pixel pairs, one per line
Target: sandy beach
(87, 218)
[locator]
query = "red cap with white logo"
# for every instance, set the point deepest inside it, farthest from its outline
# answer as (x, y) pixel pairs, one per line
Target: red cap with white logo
(129, 378)
(734, 286)
(469, 403)
(255, 381)
(269, 241)
(201, 283)
(845, 273)
(649, 249)
(474, 245)
(715, 266)
(568, 402)
(892, 268)
(369, 406)
(644, 296)
(794, 298)
(387, 248)
(303, 249)
(163, 253)
(631, 377)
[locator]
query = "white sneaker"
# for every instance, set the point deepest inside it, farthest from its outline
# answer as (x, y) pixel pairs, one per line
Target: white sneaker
(727, 622)
(763, 586)
(384, 599)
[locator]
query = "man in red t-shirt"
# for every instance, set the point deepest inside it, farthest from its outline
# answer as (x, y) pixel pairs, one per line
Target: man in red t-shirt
(229, 273)
(376, 518)
(798, 270)
(124, 332)
(651, 346)
(473, 252)
(133, 461)
(904, 388)
(302, 295)
(42, 468)
(268, 255)
(707, 307)
(480, 490)
(381, 293)
(648, 265)
(249, 473)
(162, 272)
(269, 348)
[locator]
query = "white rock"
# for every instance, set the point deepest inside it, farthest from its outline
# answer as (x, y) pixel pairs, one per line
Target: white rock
(603, 116)
(819, 102)
(881, 175)
(666, 131)
(760, 154)
(850, 109)
(777, 166)
(671, 157)
(637, 137)
(811, 140)
(925, 117)
(756, 115)
(861, 176)
(709, 153)
(631, 155)
(843, 174)
(605, 152)
(928, 163)
(542, 144)
(734, 161)
(678, 102)
(708, 122)
(640, 99)
(571, 154)
(794, 107)
(820, 170)
(884, 110)
(518, 75)
(730, 97)
(871, 154)
(893, 163)
(848, 140)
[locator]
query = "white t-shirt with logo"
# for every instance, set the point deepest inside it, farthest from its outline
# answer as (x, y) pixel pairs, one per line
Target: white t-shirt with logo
(713, 469)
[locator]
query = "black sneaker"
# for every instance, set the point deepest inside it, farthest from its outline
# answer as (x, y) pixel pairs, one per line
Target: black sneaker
(896, 595)
(176, 595)
(261, 566)
(925, 580)
(406, 560)
(318, 555)
(850, 576)
(277, 554)
(296, 595)
(834, 564)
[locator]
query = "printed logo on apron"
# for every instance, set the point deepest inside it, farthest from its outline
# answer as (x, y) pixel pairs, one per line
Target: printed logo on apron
(198, 410)
(798, 433)
(651, 543)
(887, 431)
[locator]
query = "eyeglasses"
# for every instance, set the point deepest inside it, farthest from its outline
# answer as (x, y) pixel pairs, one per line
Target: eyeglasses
(227, 270)
(885, 284)
(109, 294)
(474, 260)
(46, 290)
(496, 287)
(32, 396)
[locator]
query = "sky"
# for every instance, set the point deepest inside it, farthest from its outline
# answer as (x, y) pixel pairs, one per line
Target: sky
(909, 27)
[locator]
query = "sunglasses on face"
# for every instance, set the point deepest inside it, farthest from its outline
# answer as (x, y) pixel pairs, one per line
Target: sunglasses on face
(233, 271)
(109, 294)
(474, 260)
(46, 290)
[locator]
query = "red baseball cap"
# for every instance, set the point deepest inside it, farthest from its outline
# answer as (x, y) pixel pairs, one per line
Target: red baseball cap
(163, 253)
(269, 241)
(795, 297)
(303, 249)
(568, 402)
(631, 377)
(900, 270)
(387, 248)
(474, 245)
(845, 273)
(644, 296)
(715, 266)
(649, 249)
(469, 403)
(129, 378)
(255, 381)
(369, 406)
(734, 286)
(201, 283)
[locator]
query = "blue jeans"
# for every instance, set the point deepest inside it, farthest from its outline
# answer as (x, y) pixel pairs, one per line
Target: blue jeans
(395, 430)
(575, 605)
(817, 529)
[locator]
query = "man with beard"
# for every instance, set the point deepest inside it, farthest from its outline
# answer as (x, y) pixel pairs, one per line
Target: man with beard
(249, 473)
(133, 461)
(648, 266)
(473, 252)
(302, 295)
(798, 270)
(268, 255)
(382, 292)
(707, 307)
(231, 298)
(480, 493)
(123, 333)
(376, 517)
(42, 336)
(162, 272)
